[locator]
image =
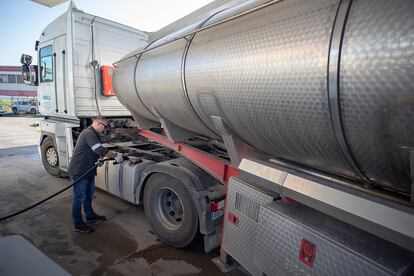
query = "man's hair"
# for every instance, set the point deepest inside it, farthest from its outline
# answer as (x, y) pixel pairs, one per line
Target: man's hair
(99, 119)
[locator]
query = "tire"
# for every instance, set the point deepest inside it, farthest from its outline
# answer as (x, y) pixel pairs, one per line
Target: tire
(163, 196)
(50, 158)
(14, 109)
(33, 111)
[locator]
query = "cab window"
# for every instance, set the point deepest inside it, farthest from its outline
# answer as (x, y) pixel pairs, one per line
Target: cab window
(46, 64)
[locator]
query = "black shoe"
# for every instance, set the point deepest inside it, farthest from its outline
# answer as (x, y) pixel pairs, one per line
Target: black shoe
(95, 218)
(83, 228)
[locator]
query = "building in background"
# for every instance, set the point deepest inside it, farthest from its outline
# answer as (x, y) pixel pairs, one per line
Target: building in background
(11, 83)
(12, 88)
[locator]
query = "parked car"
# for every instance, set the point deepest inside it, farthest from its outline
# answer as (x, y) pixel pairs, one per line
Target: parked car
(24, 106)
(2, 111)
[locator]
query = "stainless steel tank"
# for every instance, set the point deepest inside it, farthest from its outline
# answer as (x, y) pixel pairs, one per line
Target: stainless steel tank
(328, 84)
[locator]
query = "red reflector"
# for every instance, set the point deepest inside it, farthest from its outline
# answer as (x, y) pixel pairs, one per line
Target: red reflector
(233, 219)
(307, 252)
(287, 200)
(215, 206)
(106, 75)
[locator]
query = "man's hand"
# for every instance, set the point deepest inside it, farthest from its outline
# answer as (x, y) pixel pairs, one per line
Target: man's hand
(111, 154)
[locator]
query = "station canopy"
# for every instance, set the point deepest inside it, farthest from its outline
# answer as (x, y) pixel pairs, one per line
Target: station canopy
(49, 3)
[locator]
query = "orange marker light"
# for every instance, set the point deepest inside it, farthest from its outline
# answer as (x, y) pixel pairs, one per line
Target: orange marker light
(106, 76)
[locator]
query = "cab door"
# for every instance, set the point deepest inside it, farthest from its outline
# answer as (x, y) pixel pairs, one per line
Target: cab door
(46, 89)
(52, 66)
(60, 75)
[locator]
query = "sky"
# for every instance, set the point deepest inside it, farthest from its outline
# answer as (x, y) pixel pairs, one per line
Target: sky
(22, 21)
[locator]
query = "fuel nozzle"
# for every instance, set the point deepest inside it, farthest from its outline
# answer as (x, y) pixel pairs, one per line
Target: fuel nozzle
(120, 157)
(102, 161)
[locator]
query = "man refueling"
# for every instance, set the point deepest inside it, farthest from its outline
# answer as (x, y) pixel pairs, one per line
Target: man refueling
(87, 151)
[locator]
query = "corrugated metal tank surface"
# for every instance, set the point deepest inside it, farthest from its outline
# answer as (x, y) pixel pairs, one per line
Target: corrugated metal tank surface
(377, 88)
(266, 75)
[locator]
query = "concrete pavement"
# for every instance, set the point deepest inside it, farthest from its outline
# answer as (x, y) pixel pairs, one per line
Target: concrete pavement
(123, 245)
(18, 131)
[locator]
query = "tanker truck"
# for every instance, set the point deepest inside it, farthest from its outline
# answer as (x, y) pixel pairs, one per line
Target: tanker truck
(280, 131)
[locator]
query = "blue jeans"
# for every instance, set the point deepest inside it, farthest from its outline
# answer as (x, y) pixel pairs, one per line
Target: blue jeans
(82, 195)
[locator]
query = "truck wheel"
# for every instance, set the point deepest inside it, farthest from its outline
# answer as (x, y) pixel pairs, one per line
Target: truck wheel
(170, 210)
(14, 109)
(50, 158)
(33, 111)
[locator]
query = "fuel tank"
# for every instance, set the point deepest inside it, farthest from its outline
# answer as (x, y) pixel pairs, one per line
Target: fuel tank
(324, 83)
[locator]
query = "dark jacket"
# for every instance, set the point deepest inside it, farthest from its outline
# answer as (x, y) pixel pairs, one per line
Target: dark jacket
(87, 151)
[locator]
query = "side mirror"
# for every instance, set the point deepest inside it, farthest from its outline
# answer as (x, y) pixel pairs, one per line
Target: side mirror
(28, 76)
(26, 59)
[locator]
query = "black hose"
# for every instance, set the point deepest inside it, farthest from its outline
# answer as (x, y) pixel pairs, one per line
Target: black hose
(49, 197)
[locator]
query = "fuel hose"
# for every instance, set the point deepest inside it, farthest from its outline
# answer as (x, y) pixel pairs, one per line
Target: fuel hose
(98, 163)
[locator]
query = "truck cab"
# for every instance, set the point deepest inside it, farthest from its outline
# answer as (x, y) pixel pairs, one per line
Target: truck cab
(72, 51)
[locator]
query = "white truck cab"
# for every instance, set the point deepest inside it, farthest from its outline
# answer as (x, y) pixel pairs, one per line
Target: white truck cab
(73, 50)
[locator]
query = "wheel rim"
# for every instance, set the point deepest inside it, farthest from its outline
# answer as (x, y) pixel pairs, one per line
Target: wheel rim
(51, 156)
(170, 209)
